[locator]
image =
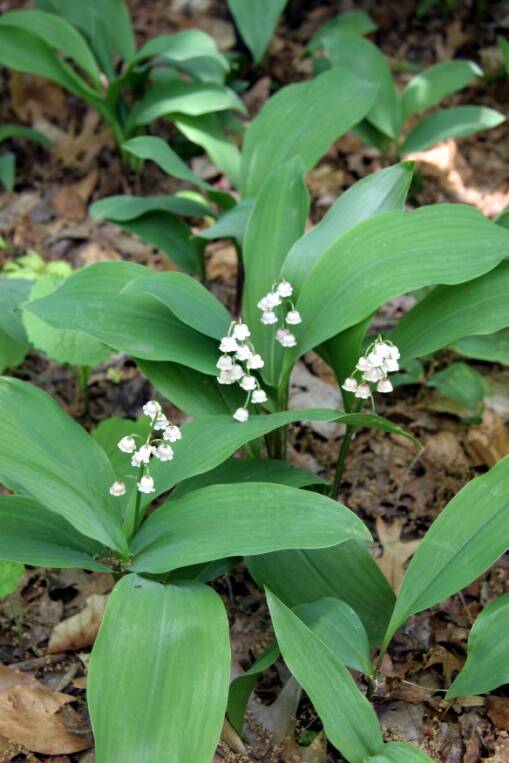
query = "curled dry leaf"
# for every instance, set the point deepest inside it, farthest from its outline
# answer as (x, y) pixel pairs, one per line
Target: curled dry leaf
(395, 551)
(81, 629)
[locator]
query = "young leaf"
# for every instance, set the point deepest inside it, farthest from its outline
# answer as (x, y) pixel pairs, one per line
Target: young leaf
(158, 151)
(349, 720)
(161, 660)
(256, 22)
(92, 301)
(232, 224)
(46, 455)
(389, 255)
(338, 626)
(302, 120)
(447, 313)
(10, 573)
(347, 572)
(34, 535)
(486, 667)
(465, 539)
(368, 62)
(457, 122)
(233, 520)
(356, 22)
(124, 208)
(435, 83)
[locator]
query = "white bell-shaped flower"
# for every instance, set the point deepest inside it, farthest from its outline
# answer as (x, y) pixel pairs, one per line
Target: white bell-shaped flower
(255, 361)
(373, 374)
(248, 383)
(284, 289)
(350, 384)
(384, 385)
(164, 452)
(241, 332)
(363, 364)
(293, 317)
(228, 344)
(118, 488)
(273, 299)
(152, 409)
(146, 484)
(363, 392)
(285, 338)
(172, 433)
(390, 365)
(161, 422)
(127, 444)
(224, 363)
(241, 414)
(259, 396)
(243, 352)
(268, 317)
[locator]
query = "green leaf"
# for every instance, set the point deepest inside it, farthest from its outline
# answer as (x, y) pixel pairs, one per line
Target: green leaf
(383, 191)
(158, 151)
(195, 393)
(462, 383)
(237, 470)
(399, 752)
(486, 667)
(121, 208)
(177, 96)
(185, 46)
(7, 167)
(242, 686)
(365, 60)
(276, 222)
(10, 573)
(63, 346)
(232, 224)
(58, 34)
(491, 347)
(338, 626)
(256, 21)
(187, 299)
(435, 83)
(302, 120)
(47, 456)
(206, 131)
(13, 292)
(347, 572)
(92, 301)
(34, 535)
(466, 538)
(160, 662)
(389, 255)
(448, 313)
(349, 720)
(246, 519)
(356, 22)
(504, 47)
(20, 131)
(108, 432)
(457, 122)
(12, 353)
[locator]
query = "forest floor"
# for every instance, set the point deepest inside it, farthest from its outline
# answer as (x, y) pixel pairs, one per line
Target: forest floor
(395, 488)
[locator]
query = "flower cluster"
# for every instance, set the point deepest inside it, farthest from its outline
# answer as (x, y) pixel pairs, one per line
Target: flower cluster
(157, 447)
(236, 364)
(380, 360)
(269, 304)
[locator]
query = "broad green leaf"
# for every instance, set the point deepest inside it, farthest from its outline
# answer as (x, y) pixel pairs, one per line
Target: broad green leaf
(491, 347)
(208, 441)
(158, 151)
(47, 456)
(347, 572)
(181, 47)
(232, 224)
(7, 167)
(338, 626)
(399, 752)
(23, 51)
(195, 393)
(303, 120)
(206, 131)
(256, 21)
(466, 538)
(457, 122)
(355, 21)
(20, 131)
(237, 470)
(278, 220)
(372, 136)
(435, 83)
(383, 191)
(364, 59)
(504, 47)
(486, 667)
(63, 346)
(246, 519)
(187, 299)
(389, 255)
(177, 96)
(92, 301)
(12, 353)
(448, 313)
(462, 383)
(34, 535)
(242, 686)
(10, 573)
(349, 720)
(160, 663)
(13, 293)
(121, 208)
(57, 33)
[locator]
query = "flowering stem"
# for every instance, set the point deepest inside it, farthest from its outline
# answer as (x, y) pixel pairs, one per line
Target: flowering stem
(240, 279)
(343, 452)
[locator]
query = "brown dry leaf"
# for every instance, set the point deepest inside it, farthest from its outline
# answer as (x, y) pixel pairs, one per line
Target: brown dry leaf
(498, 711)
(396, 551)
(488, 441)
(33, 98)
(445, 449)
(79, 630)
(449, 662)
(70, 201)
(79, 150)
(30, 715)
(10, 677)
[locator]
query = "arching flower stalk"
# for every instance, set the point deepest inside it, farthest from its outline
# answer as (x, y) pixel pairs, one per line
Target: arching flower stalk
(236, 364)
(373, 368)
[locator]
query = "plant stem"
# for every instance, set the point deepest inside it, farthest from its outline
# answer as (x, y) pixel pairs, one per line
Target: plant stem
(83, 374)
(343, 452)
(239, 291)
